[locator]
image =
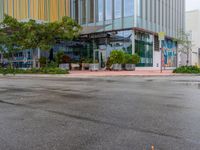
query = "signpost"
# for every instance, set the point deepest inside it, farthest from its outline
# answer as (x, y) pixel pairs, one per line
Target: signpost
(161, 36)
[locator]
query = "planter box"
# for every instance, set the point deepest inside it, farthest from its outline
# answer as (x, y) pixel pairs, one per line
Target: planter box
(130, 67)
(94, 67)
(64, 66)
(117, 67)
(85, 66)
(75, 66)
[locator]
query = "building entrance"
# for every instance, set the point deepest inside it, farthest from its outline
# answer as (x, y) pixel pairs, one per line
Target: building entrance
(99, 56)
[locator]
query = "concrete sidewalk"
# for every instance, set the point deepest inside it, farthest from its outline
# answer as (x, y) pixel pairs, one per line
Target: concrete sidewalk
(121, 73)
(85, 74)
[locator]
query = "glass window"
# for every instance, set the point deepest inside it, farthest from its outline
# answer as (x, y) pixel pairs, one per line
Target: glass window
(75, 10)
(91, 9)
(118, 8)
(83, 11)
(122, 40)
(99, 7)
(140, 8)
(144, 48)
(108, 9)
(128, 8)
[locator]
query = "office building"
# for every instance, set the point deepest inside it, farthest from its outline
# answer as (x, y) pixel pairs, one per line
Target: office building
(129, 25)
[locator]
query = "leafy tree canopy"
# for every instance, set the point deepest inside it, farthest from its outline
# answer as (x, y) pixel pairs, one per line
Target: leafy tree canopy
(16, 35)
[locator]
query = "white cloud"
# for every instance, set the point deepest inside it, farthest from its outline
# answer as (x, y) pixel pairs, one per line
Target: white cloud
(192, 4)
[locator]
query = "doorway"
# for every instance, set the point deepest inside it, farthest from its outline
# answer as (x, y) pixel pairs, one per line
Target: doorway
(99, 56)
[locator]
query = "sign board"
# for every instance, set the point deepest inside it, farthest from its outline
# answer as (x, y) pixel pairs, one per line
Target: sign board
(161, 36)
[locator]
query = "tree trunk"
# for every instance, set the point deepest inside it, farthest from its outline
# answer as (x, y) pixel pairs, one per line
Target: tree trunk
(12, 60)
(38, 57)
(1, 58)
(187, 62)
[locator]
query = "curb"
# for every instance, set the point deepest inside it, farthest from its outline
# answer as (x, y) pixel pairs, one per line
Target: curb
(89, 76)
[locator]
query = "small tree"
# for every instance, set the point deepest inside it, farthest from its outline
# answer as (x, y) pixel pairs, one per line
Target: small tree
(35, 36)
(184, 43)
(117, 57)
(10, 37)
(131, 59)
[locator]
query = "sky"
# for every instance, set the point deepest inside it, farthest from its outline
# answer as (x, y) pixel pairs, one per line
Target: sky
(192, 4)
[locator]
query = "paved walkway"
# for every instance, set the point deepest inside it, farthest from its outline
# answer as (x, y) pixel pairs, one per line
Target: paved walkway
(121, 73)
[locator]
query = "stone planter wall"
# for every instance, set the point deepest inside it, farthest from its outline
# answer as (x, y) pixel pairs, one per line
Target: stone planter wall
(94, 67)
(117, 67)
(64, 66)
(130, 67)
(85, 66)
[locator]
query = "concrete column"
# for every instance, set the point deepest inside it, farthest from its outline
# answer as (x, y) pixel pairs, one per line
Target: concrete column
(135, 12)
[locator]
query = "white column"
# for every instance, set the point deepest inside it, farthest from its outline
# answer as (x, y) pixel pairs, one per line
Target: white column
(135, 12)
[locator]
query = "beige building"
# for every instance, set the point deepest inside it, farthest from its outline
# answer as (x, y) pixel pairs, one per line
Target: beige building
(193, 27)
(48, 10)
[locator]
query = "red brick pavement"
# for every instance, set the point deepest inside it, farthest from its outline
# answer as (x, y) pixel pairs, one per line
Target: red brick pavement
(122, 73)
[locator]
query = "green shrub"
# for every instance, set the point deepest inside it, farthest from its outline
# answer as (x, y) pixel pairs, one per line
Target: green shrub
(128, 59)
(187, 69)
(59, 56)
(136, 59)
(52, 64)
(117, 57)
(45, 70)
(131, 59)
(43, 61)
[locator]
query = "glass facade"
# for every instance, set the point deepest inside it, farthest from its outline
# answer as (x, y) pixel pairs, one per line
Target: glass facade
(128, 8)
(144, 48)
(117, 9)
(100, 10)
(105, 43)
(83, 11)
(23, 59)
(109, 14)
(155, 15)
(108, 9)
(121, 40)
(91, 12)
(76, 50)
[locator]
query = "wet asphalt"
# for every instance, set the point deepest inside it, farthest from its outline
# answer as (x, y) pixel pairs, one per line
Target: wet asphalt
(111, 113)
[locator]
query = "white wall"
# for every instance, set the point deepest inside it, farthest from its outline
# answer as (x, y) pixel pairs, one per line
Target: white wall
(193, 26)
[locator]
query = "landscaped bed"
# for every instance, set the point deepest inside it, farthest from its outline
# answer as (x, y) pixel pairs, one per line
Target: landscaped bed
(187, 69)
(46, 70)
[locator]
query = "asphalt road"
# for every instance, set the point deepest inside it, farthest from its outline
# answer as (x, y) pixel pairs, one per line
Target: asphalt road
(118, 113)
